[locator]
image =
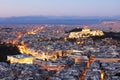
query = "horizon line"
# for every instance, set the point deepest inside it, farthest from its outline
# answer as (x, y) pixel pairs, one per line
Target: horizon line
(57, 16)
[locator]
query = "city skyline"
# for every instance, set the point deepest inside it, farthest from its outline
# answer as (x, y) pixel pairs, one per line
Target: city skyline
(59, 8)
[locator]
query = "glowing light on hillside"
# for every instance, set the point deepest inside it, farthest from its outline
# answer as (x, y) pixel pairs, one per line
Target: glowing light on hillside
(23, 49)
(102, 75)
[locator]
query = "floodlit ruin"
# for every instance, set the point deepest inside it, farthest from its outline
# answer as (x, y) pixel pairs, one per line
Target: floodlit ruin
(86, 32)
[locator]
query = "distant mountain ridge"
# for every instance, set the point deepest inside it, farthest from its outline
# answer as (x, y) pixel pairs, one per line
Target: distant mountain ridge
(56, 19)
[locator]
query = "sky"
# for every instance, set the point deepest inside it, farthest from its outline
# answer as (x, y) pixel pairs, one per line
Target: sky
(9, 8)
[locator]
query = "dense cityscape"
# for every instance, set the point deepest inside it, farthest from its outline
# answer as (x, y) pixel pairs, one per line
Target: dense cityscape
(60, 52)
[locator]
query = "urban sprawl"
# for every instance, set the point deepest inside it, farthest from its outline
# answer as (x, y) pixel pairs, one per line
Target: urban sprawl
(59, 52)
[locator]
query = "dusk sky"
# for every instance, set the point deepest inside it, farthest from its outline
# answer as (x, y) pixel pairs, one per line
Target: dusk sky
(10, 8)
